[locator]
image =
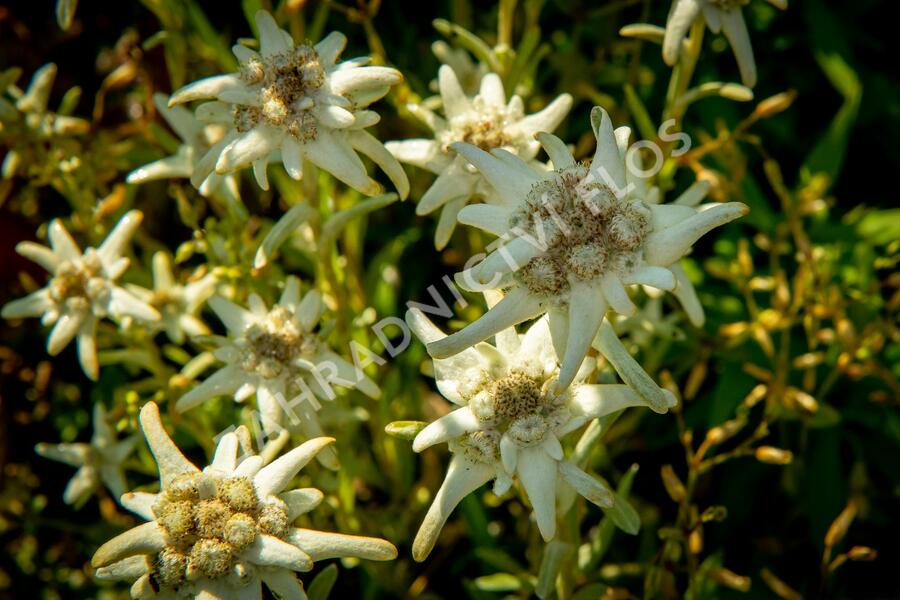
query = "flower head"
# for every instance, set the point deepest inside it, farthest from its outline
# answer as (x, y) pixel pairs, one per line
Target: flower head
(177, 303)
(276, 354)
(99, 462)
(720, 15)
(509, 423)
(487, 121)
(571, 240)
(197, 138)
(297, 99)
(26, 122)
(81, 290)
(223, 531)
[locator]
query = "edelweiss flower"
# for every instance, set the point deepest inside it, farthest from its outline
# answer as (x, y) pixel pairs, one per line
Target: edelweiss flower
(277, 355)
(488, 121)
(574, 238)
(510, 422)
(197, 139)
(25, 120)
(221, 532)
(297, 99)
(82, 289)
(178, 304)
(98, 462)
(720, 15)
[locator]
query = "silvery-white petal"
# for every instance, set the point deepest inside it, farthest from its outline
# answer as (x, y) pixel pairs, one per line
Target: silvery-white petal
(122, 303)
(600, 400)
(86, 342)
(292, 157)
(310, 310)
(453, 97)
(271, 37)
(284, 583)
(491, 90)
(687, 296)
(169, 459)
(235, 318)
(694, 194)
(127, 569)
(422, 153)
(61, 241)
(616, 295)
(517, 306)
(269, 551)
(64, 331)
(608, 343)
(450, 426)
(321, 545)
(301, 501)
(455, 181)
(447, 221)
(140, 503)
(681, 16)
(365, 142)
(148, 538)
(85, 481)
(223, 382)
(332, 153)
(586, 311)
(75, 455)
(662, 248)
(249, 146)
(508, 258)
(556, 149)
(607, 165)
(330, 48)
(209, 87)
(509, 453)
(658, 277)
(493, 219)
(537, 471)
(33, 305)
(735, 29)
(509, 182)
(39, 254)
(463, 477)
(225, 456)
(276, 475)
(354, 80)
(547, 119)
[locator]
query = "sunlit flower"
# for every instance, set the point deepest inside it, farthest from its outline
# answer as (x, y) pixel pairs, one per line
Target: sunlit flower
(197, 138)
(720, 15)
(296, 99)
(277, 355)
(99, 462)
(176, 303)
(82, 289)
(222, 532)
(509, 424)
(26, 120)
(571, 241)
(487, 121)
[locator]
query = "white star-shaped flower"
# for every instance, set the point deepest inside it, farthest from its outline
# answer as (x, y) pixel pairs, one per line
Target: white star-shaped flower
(486, 120)
(510, 421)
(571, 241)
(720, 15)
(99, 462)
(178, 304)
(277, 355)
(197, 138)
(298, 100)
(222, 532)
(81, 290)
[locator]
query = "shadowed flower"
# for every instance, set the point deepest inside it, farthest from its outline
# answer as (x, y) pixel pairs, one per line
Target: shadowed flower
(177, 304)
(197, 138)
(571, 240)
(487, 121)
(99, 462)
(277, 355)
(81, 289)
(720, 15)
(222, 532)
(509, 424)
(296, 99)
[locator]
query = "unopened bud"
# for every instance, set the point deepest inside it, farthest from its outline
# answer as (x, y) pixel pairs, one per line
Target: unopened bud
(774, 456)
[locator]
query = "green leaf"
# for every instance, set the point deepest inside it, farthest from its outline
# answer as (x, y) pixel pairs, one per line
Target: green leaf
(498, 582)
(321, 586)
